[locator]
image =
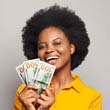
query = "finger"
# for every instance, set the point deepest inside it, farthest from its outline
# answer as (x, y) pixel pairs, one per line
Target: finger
(52, 89)
(31, 95)
(49, 91)
(29, 101)
(44, 97)
(41, 102)
(31, 87)
(28, 94)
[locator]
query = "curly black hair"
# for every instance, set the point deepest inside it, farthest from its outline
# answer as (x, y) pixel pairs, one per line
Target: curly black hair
(62, 18)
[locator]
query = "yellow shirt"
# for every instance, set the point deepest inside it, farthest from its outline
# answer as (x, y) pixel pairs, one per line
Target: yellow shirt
(76, 96)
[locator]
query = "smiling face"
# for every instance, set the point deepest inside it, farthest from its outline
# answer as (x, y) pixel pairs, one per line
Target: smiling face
(54, 47)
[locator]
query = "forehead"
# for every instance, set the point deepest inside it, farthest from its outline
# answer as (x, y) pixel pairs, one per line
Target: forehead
(52, 33)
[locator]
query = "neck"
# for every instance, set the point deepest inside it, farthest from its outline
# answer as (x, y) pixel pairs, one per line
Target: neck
(62, 78)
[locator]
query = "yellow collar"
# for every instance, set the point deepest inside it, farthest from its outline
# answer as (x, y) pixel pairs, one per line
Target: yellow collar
(76, 84)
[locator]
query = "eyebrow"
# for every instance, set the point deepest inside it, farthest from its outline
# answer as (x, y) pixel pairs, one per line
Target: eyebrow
(57, 38)
(41, 43)
(53, 40)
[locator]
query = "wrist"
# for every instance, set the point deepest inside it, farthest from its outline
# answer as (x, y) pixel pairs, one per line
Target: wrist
(30, 108)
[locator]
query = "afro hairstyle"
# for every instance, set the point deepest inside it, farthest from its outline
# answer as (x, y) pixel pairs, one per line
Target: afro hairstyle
(62, 18)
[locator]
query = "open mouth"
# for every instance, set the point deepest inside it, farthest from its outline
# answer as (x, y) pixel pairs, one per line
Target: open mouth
(52, 58)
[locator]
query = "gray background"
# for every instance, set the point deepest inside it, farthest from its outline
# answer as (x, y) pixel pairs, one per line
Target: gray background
(94, 71)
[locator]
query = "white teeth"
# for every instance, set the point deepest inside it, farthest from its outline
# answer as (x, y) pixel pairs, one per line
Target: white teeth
(53, 57)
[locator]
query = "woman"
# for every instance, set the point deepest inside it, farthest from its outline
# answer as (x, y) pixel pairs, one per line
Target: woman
(57, 36)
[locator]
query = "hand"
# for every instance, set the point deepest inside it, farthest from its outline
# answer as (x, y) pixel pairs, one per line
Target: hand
(46, 99)
(29, 97)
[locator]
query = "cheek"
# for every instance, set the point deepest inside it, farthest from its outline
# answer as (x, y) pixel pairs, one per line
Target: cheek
(40, 54)
(64, 50)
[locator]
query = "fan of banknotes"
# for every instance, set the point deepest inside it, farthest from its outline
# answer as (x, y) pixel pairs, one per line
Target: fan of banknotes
(36, 72)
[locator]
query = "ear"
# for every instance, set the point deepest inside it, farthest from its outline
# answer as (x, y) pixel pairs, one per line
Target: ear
(72, 48)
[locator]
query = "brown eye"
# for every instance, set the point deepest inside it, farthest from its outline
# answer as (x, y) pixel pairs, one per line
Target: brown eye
(57, 43)
(41, 46)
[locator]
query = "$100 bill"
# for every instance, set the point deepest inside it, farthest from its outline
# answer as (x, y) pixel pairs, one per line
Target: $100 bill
(36, 72)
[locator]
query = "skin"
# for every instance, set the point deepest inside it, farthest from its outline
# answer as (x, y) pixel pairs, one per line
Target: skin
(54, 43)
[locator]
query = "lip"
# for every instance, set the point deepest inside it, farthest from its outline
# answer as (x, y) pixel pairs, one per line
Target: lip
(52, 62)
(52, 59)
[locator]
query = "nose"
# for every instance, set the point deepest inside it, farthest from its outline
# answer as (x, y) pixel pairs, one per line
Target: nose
(50, 49)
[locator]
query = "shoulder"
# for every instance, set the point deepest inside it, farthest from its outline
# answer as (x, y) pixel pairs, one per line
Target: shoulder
(20, 89)
(17, 103)
(91, 94)
(90, 91)
(85, 90)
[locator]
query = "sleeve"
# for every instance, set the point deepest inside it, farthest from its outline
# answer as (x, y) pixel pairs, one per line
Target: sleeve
(17, 104)
(96, 103)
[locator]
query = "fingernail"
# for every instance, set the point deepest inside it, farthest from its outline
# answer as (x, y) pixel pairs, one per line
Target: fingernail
(44, 88)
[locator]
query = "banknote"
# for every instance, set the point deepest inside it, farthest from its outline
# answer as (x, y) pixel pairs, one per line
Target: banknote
(40, 86)
(30, 69)
(44, 75)
(21, 73)
(36, 72)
